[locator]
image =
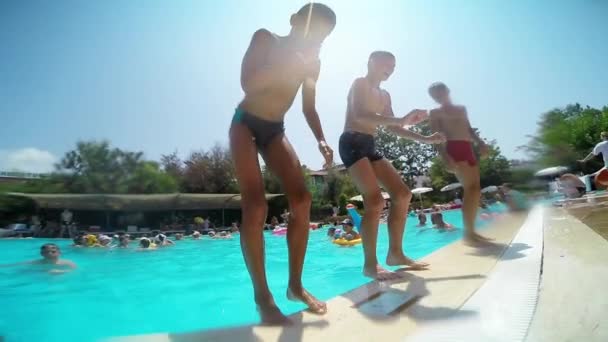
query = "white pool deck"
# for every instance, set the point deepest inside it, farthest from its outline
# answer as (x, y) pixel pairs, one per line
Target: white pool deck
(544, 279)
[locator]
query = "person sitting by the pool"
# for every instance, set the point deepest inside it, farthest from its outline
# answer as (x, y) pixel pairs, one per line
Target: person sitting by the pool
(196, 235)
(179, 236)
(145, 243)
(349, 232)
(515, 200)
(162, 240)
(421, 219)
(51, 255)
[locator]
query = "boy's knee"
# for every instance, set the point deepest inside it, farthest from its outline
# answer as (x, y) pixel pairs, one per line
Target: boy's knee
(401, 196)
(374, 203)
(300, 201)
(256, 207)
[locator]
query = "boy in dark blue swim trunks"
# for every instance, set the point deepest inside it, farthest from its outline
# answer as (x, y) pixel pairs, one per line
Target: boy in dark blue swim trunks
(369, 106)
(273, 70)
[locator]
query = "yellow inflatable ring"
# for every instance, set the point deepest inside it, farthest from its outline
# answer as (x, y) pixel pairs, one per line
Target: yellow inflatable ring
(344, 242)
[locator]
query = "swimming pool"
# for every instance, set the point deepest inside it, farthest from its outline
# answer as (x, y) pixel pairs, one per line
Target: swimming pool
(197, 284)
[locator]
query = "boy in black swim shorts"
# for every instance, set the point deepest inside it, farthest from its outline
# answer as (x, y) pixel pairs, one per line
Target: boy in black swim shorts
(368, 107)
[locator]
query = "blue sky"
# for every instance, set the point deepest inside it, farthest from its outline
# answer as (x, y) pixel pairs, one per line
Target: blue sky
(159, 76)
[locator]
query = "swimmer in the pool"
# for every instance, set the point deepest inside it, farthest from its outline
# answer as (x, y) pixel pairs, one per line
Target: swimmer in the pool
(349, 232)
(123, 241)
(51, 258)
(458, 155)
(146, 244)
(369, 106)
(274, 68)
(421, 219)
(437, 219)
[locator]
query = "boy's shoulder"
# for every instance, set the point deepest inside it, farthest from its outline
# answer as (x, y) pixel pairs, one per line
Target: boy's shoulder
(263, 35)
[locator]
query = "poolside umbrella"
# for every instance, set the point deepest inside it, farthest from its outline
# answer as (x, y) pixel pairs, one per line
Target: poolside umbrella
(491, 188)
(359, 198)
(420, 191)
(551, 171)
(451, 187)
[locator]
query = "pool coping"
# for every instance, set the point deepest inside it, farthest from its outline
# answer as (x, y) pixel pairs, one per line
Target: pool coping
(383, 310)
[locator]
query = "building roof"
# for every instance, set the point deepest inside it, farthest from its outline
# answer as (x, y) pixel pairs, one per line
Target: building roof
(149, 202)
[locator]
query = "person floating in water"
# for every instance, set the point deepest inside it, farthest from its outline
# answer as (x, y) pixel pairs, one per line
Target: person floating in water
(458, 155)
(369, 106)
(274, 68)
(123, 241)
(51, 259)
(349, 232)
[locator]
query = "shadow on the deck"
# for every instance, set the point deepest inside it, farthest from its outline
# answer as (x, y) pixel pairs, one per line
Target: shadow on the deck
(245, 333)
(496, 250)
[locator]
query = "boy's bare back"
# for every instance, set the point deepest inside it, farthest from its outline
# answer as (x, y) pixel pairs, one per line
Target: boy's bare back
(452, 121)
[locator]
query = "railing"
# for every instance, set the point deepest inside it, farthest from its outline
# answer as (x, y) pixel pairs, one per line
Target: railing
(21, 175)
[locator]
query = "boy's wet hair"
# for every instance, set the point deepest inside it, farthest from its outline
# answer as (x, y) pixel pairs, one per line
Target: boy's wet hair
(437, 86)
(145, 243)
(318, 10)
(380, 54)
(43, 247)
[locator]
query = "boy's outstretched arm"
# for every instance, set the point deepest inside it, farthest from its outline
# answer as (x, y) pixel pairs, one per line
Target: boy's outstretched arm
(406, 133)
(309, 108)
(435, 123)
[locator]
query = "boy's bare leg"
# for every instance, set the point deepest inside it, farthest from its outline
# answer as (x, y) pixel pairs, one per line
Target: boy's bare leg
(468, 176)
(364, 177)
(283, 162)
(254, 207)
(400, 202)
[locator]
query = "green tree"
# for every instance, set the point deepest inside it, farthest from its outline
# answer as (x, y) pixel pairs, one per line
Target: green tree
(410, 158)
(210, 171)
(566, 134)
(173, 165)
(95, 167)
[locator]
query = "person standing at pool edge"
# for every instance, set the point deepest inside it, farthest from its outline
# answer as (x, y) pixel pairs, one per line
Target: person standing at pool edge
(458, 154)
(273, 70)
(368, 107)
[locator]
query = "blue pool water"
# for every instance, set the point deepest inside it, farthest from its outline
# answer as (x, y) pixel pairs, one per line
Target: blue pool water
(197, 284)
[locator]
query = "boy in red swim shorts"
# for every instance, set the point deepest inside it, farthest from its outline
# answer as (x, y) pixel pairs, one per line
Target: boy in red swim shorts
(457, 153)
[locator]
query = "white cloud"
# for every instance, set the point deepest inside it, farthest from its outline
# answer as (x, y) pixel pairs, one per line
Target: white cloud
(28, 159)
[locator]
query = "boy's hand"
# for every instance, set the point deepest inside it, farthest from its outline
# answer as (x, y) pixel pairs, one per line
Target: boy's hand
(435, 138)
(327, 153)
(415, 117)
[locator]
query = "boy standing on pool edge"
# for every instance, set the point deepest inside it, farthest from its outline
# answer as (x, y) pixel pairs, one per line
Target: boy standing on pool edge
(272, 71)
(458, 154)
(369, 106)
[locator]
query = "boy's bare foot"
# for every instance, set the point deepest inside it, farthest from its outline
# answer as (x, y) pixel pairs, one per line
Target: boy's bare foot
(402, 260)
(475, 240)
(270, 314)
(379, 273)
(301, 295)
(481, 237)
